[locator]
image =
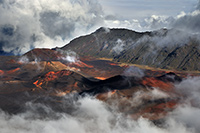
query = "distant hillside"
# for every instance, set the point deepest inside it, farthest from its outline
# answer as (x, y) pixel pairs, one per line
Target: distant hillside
(169, 49)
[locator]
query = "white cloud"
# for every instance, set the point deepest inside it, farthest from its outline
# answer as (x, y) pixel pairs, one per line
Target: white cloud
(186, 115)
(134, 71)
(182, 14)
(28, 24)
(140, 9)
(119, 46)
(24, 59)
(69, 56)
(186, 20)
(190, 88)
(90, 116)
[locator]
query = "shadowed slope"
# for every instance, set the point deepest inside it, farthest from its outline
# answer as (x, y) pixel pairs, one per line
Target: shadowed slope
(171, 49)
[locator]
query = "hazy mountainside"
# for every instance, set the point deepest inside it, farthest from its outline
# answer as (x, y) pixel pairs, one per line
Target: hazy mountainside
(171, 49)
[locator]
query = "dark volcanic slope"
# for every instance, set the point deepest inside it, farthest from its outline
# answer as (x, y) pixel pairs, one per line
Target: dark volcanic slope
(47, 82)
(48, 76)
(171, 49)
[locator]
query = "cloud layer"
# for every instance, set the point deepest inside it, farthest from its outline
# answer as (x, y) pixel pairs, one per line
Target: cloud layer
(90, 115)
(28, 24)
(25, 25)
(184, 20)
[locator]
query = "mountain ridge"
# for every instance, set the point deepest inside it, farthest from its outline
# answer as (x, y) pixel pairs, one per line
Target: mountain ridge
(167, 49)
(48, 76)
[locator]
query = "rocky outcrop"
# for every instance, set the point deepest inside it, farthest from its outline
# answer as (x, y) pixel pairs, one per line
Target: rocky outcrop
(169, 49)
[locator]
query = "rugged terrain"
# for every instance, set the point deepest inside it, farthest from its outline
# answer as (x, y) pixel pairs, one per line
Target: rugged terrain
(47, 76)
(169, 49)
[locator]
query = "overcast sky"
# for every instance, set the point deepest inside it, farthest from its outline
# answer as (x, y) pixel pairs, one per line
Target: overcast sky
(26, 24)
(139, 9)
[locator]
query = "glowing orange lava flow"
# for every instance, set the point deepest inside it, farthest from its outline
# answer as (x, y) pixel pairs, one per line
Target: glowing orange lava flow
(50, 76)
(157, 83)
(113, 92)
(54, 75)
(113, 64)
(12, 71)
(76, 84)
(1, 72)
(82, 64)
(100, 78)
(37, 84)
(11, 61)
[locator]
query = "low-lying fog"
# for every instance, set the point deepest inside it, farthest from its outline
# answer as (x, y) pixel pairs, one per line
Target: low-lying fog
(90, 115)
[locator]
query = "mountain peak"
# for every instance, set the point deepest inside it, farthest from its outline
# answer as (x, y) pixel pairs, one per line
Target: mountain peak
(102, 29)
(164, 48)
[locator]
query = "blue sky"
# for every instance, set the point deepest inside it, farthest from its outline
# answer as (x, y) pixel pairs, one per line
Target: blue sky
(139, 9)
